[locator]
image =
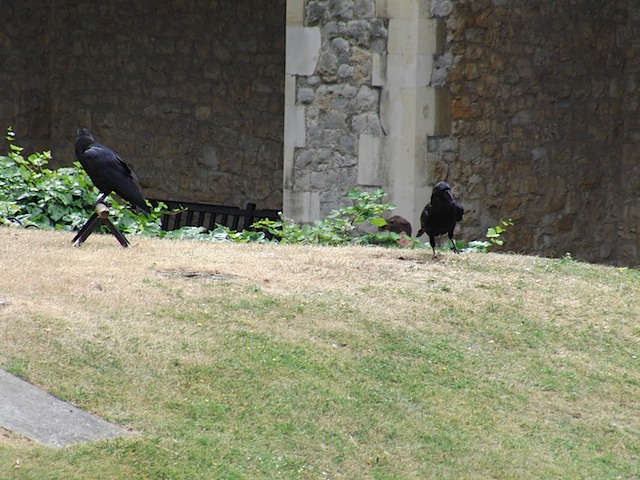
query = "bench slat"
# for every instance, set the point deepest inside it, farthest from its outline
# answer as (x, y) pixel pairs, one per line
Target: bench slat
(208, 215)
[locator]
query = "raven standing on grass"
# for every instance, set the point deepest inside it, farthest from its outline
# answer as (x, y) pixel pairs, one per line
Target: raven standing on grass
(107, 170)
(440, 215)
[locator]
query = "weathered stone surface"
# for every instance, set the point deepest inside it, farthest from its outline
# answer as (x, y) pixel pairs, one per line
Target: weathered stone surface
(340, 103)
(24, 95)
(43, 418)
(441, 8)
(544, 122)
(150, 77)
(305, 95)
(543, 101)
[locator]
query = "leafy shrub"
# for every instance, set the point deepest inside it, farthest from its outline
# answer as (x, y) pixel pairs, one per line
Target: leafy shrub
(493, 236)
(221, 233)
(341, 226)
(32, 195)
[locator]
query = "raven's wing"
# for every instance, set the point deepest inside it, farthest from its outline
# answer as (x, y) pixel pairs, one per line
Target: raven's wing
(459, 211)
(424, 220)
(110, 174)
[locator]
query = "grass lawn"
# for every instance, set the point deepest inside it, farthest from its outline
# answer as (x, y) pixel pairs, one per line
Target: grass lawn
(241, 361)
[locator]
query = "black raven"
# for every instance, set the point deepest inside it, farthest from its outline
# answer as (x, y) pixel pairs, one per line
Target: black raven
(107, 170)
(440, 215)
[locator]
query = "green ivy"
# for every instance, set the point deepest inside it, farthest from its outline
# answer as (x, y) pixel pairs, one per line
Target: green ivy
(493, 238)
(341, 226)
(32, 195)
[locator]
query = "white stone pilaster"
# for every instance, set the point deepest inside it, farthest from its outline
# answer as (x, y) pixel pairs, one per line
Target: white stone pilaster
(409, 110)
(301, 56)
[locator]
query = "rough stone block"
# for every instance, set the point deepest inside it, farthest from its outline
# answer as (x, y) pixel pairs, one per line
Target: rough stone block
(305, 95)
(302, 49)
(304, 206)
(370, 163)
(295, 12)
(294, 127)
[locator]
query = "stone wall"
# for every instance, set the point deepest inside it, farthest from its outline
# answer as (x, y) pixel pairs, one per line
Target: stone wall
(24, 72)
(333, 97)
(544, 100)
(529, 109)
(190, 93)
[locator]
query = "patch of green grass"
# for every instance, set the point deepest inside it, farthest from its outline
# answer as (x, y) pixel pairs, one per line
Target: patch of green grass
(17, 366)
(476, 367)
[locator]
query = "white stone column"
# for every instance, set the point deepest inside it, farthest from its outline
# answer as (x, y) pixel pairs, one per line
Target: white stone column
(410, 109)
(301, 57)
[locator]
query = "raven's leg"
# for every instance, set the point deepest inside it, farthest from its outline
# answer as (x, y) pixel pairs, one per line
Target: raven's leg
(455, 247)
(432, 241)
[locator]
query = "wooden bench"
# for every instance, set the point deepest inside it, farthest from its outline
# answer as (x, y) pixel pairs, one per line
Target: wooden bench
(208, 215)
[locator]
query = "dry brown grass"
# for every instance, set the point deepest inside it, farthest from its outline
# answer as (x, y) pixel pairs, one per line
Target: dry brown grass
(44, 276)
